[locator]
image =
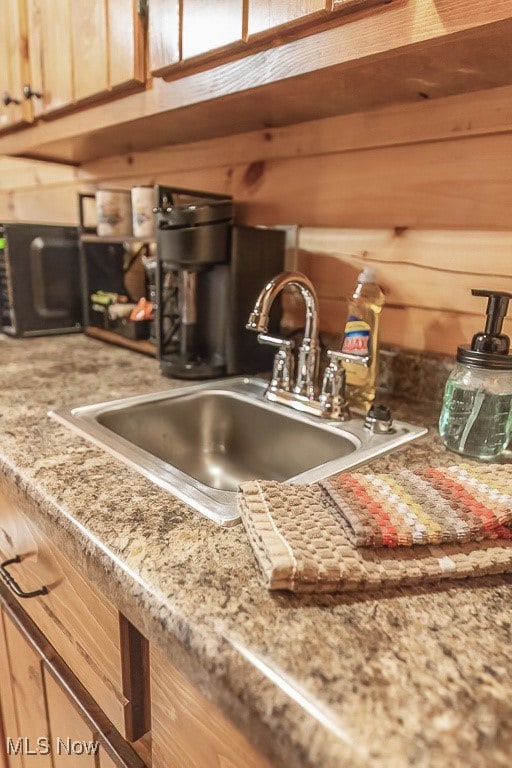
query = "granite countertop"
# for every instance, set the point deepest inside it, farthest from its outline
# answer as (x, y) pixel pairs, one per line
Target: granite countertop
(409, 677)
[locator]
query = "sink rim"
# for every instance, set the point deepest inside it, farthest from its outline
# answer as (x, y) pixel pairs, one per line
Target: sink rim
(220, 505)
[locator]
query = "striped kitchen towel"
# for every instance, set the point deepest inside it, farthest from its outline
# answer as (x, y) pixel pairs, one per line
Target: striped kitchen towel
(435, 505)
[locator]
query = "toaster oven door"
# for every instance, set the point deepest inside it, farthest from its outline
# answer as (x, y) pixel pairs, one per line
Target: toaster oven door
(44, 269)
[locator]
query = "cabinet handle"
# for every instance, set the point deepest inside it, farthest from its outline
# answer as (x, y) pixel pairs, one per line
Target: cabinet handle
(28, 93)
(13, 584)
(8, 99)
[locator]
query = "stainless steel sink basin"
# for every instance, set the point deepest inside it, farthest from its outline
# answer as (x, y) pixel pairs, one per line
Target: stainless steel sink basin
(201, 441)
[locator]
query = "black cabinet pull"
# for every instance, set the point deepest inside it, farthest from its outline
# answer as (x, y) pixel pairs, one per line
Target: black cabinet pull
(13, 584)
(8, 99)
(28, 93)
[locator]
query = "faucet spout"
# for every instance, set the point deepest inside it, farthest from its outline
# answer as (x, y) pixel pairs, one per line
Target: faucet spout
(259, 317)
(307, 367)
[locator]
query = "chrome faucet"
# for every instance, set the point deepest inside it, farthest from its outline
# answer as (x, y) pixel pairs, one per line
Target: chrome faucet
(302, 394)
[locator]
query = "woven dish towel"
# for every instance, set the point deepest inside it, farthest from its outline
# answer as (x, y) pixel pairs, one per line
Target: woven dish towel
(301, 544)
(435, 505)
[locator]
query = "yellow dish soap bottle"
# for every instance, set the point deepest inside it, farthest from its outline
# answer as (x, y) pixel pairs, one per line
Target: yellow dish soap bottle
(362, 338)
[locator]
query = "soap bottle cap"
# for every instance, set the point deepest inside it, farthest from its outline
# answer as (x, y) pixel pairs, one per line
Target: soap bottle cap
(490, 348)
(367, 275)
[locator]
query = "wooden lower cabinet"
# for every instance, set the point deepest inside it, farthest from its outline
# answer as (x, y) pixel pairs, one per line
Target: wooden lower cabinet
(79, 685)
(49, 720)
(188, 730)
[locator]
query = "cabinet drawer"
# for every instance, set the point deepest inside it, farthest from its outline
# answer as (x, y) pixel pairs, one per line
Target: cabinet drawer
(81, 624)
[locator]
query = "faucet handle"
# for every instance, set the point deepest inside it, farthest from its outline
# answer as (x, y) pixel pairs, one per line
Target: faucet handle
(282, 373)
(349, 357)
(332, 397)
(275, 341)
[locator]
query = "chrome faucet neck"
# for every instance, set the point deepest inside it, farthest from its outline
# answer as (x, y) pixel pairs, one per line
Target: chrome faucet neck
(301, 395)
(308, 352)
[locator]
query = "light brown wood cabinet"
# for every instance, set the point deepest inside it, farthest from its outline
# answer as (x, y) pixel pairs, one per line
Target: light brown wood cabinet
(73, 670)
(14, 65)
(293, 61)
(70, 665)
(210, 26)
(186, 29)
(82, 626)
(188, 730)
(49, 720)
(59, 54)
(266, 15)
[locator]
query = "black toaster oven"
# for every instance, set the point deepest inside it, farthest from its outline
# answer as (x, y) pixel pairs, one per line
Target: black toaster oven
(40, 280)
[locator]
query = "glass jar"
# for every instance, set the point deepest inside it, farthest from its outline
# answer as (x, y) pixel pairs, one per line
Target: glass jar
(476, 416)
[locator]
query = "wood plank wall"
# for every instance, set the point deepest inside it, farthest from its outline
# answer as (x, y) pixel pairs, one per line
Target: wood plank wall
(423, 192)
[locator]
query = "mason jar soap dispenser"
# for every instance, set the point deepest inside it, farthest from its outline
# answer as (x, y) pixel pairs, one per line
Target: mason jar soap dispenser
(476, 417)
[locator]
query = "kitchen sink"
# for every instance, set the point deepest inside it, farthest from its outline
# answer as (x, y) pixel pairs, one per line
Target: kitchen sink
(201, 441)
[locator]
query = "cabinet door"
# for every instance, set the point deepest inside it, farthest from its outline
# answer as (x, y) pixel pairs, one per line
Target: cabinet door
(51, 71)
(208, 26)
(67, 729)
(82, 49)
(8, 710)
(28, 695)
(48, 718)
(126, 42)
(13, 63)
(108, 46)
(188, 730)
(89, 36)
(164, 34)
(264, 15)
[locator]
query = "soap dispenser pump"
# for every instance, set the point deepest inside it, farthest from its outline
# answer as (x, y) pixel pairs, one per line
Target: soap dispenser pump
(476, 416)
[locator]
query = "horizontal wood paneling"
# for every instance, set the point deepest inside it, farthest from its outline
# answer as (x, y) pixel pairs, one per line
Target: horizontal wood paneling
(19, 173)
(427, 277)
(471, 114)
(457, 184)
(422, 192)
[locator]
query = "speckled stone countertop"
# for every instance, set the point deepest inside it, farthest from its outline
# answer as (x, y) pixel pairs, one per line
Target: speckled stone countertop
(412, 677)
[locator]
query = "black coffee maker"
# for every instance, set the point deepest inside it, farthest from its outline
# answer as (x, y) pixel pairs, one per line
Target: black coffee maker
(209, 274)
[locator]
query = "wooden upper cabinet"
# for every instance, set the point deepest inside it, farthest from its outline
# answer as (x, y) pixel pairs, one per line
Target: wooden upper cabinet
(89, 43)
(76, 51)
(50, 52)
(164, 34)
(126, 40)
(207, 26)
(180, 30)
(13, 64)
(264, 15)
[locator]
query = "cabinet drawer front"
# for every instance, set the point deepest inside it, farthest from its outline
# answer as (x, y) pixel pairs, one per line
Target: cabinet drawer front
(80, 623)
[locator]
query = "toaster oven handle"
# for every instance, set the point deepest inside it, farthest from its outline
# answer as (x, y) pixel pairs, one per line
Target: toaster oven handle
(13, 584)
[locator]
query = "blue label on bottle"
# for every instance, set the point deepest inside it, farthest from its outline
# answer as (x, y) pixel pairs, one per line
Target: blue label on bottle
(357, 337)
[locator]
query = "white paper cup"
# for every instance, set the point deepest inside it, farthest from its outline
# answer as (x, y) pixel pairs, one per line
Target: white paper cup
(143, 202)
(114, 212)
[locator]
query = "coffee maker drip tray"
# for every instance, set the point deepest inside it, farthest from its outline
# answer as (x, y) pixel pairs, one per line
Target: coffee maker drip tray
(175, 365)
